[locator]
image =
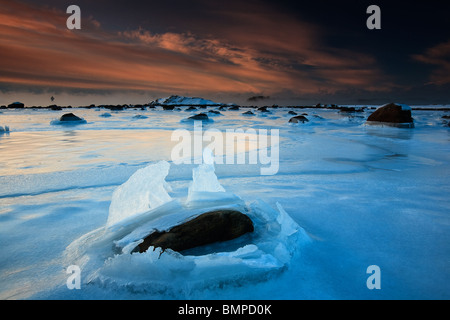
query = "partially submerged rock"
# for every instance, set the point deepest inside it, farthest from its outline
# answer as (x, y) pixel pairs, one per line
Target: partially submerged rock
(210, 227)
(298, 119)
(70, 117)
(200, 116)
(392, 114)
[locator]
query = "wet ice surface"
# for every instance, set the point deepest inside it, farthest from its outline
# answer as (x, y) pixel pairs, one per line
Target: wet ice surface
(364, 195)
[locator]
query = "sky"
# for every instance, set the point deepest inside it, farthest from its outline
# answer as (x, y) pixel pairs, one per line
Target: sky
(281, 52)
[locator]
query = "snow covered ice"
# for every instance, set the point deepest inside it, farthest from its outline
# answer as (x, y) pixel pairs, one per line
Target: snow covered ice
(346, 196)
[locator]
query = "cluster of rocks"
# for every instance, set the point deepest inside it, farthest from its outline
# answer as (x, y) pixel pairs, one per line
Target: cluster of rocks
(391, 114)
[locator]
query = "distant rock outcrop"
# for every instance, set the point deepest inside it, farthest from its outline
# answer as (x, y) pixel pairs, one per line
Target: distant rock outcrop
(176, 100)
(210, 227)
(16, 105)
(394, 114)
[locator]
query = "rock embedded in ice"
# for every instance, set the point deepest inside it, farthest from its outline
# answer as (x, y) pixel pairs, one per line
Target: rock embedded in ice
(210, 227)
(298, 119)
(200, 116)
(392, 113)
(248, 113)
(70, 117)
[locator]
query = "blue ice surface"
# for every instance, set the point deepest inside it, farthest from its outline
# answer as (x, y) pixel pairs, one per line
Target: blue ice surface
(364, 195)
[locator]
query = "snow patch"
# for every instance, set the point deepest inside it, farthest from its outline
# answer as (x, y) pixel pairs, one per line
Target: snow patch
(184, 101)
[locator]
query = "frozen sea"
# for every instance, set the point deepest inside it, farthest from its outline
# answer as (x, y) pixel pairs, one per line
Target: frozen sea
(360, 195)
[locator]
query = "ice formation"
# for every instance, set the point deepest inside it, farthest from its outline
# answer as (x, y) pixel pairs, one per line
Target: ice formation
(142, 205)
(145, 190)
(205, 187)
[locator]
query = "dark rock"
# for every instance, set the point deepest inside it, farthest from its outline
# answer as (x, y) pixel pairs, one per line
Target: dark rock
(210, 227)
(16, 105)
(391, 113)
(446, 116)
(70, 117)
(54, 107)
(292, 113)
(214, 112)
(168, 108)
(248, 113)
(115, 108)
(298, 119)
(200, 116)
(347, 109)
(234, 108)
(191, 109)
(263, 109)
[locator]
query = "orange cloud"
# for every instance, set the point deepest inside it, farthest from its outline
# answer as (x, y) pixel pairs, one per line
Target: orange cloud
(262, 52)
(439, 56)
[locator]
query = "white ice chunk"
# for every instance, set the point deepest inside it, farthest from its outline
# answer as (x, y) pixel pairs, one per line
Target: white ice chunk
(145, 190)
(206, 188)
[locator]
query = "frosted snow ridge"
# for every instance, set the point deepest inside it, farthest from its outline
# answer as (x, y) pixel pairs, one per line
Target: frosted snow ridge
(142, 204)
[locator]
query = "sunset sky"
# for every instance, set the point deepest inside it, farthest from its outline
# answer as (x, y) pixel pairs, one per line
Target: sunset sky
(292, 52)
